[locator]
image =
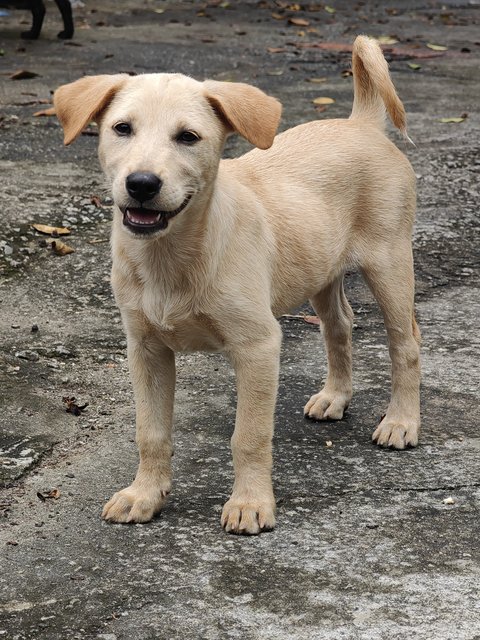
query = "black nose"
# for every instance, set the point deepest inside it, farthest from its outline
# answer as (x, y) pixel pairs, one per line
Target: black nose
(143, 186)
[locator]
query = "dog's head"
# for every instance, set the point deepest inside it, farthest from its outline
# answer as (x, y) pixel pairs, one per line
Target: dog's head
(161, 138)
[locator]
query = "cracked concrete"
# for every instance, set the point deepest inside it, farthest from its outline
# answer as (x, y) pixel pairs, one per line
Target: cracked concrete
(370, 544)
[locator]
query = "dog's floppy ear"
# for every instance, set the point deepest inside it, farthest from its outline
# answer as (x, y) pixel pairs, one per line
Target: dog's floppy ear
(246, 110)
(77, 103)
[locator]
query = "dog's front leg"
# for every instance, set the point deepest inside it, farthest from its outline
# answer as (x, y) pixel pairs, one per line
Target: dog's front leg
(152, 370)
(251, 507)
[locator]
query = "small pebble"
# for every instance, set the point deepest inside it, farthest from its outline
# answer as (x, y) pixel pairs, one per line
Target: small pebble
(32, 356)
(449, 500)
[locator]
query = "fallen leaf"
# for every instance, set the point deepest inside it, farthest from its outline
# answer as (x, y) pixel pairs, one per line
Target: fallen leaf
(159, 10)
(23, 74)
(386, 40)
(299, 22)
(448, 120)
(329, 9)
(346, 73)
(312, 319)
(278, 16)
(45, 112)
(14, 543)
(51, 231)
(209, 39)
(53, 494)
(73, 407)
(323, 100)
(436, 47)
(414, 66)
(60, 248)
(316, 80)
(293, 7)
(276, 49)
(96, 201)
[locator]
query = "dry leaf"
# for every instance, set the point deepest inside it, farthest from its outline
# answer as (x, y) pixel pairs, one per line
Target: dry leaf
(346, 73)
(299, 22)
(23, 74)
(159, 10)
(414, 66)
(329, 9)
(278, 16)
(52, 494)
(293, 7)
(386, 40)
(45, 112)
(316, 80)
(96, 201)
(51, 231)
(73, 407)
(312, 319)
(436, 47)
(60, 248)
(276, 49)
(449, 120)
(323, 100)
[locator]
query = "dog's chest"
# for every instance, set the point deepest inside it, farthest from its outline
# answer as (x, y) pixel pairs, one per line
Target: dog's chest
(180, 321)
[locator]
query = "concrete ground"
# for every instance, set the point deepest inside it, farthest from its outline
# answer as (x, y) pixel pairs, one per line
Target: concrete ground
(370, 544)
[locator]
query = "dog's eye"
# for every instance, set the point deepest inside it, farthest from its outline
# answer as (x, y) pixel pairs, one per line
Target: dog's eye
(122, 128)
(187, 137)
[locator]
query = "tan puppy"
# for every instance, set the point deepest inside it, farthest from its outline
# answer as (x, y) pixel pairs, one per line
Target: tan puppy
(208, 252)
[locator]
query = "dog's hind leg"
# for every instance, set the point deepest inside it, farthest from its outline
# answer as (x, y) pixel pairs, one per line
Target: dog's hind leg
(335, 313)
(389, 274)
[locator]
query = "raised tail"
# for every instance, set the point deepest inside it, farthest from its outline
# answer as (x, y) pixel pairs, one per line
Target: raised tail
(373, 88)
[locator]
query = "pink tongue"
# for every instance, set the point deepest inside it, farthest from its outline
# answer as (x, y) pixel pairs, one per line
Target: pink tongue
(142, 216)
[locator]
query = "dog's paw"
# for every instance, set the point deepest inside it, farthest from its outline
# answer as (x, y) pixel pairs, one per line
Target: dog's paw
(248, 516)
(30, 35)
(134, 505)
(396, 433)
(327, 405)
(67, 34)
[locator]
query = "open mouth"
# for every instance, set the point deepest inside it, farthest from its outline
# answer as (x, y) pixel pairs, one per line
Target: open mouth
(142, 220)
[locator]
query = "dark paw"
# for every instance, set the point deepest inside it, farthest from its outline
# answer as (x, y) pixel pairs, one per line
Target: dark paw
(30, 35)
(65, 35)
